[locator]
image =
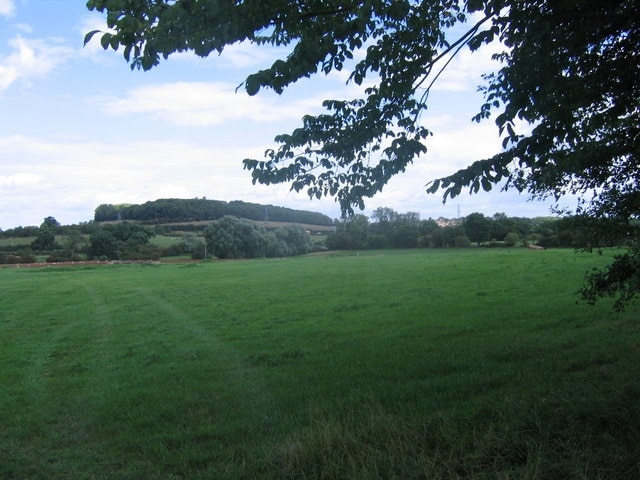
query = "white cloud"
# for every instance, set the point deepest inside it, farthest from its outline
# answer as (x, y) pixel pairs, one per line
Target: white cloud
(31, 58)
(7, 8)
(172, 191)
(20, 180)
(464, 73)
(24, 27)
(246, 55)
(202, 104)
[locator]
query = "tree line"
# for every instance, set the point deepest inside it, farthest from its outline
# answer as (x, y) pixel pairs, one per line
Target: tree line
(234, 237)
(201, 209)
(387, 228)
(225, 238)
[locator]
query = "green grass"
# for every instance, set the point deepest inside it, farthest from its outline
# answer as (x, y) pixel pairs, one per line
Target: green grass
(474, 364)
(16, 241)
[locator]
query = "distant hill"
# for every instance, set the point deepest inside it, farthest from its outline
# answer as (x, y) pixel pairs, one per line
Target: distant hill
(177, 210)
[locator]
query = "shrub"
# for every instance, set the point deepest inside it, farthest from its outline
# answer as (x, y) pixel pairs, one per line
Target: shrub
(173, 250)
(377, 241)
(462, 241)
(512, 239)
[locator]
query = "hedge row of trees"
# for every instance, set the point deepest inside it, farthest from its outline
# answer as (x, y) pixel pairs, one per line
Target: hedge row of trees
(228, 237)
(85, 228)
(58, 243)
(123, 241)
(200, 209)
(387, 228)
(233, 237)
(225, 238)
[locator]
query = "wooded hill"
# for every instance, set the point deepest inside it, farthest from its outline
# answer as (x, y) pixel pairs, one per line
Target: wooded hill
(176, 210)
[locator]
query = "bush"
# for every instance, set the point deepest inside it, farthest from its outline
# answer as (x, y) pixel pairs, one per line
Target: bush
(377, 241)
(173, 250)
(512, 239)
(26, 256)
(462, 241)
(58, 257)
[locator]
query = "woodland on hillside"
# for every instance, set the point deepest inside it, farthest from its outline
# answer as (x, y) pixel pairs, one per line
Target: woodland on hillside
(170, 210)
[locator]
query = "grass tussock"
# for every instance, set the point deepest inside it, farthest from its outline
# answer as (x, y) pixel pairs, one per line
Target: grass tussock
(369, 443)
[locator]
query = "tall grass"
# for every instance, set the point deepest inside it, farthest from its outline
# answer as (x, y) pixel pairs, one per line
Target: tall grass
(473, 364)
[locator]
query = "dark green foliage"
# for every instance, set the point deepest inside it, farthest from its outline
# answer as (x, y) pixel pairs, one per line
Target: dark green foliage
(198, 209)
(583, 231)
(20, 232)
(512, 239)
(461, 241)
(46, 235)
(73, 243)
(45, 239)
(501, 225)
(192, 244)
(450, 234)
(477, 228)
(232, 237)
(291, 240)
(400, 229)
(122, 241)
(102, 243)
(351, 234)
(377, 241)
(107, 212)
(620, 279)
(24, 255)
(390, 229)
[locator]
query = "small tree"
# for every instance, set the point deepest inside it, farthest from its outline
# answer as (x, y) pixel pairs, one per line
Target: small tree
(45, 239)
(193, 245)
(511, 239)
(477, 228)
(102, 244)
(461, 241)
(46, 235)
(351, 234)
(73, 243)
(449, 235)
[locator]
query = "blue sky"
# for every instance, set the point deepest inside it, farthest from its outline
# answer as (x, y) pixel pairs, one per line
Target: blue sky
(78, 128)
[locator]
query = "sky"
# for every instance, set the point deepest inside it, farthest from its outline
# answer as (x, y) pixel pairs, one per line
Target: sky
(79, 128)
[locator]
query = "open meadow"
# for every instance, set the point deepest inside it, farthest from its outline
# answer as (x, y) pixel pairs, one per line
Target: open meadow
(415, 364)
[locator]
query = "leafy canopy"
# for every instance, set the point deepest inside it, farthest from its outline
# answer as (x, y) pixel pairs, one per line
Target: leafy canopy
(565, 95)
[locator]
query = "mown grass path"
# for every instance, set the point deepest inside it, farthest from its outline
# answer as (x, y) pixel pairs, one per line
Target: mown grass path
(414, 364)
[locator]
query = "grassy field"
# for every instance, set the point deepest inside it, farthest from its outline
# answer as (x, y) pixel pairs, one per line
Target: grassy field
(16, 241)
(421, 364)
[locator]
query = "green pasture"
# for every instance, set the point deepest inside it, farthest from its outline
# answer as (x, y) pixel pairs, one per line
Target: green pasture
(16, 241)
(418, 364)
